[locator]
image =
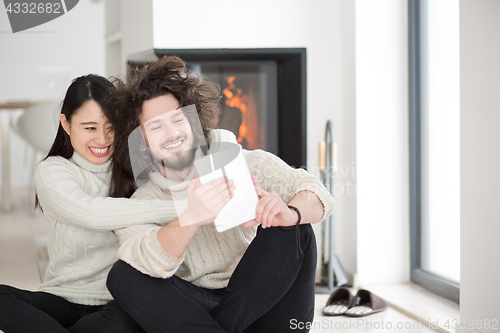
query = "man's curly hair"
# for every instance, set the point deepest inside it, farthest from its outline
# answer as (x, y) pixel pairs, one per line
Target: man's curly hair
(168, 75)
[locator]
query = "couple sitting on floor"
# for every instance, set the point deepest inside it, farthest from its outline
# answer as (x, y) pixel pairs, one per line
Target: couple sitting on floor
(169, 277)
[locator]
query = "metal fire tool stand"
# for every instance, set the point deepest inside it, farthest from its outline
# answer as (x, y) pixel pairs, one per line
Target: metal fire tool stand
(332, 272)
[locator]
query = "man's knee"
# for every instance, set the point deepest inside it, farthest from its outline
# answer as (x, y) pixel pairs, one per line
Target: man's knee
(117, 277)
(124, 281)
(288, 234)
(309, 236)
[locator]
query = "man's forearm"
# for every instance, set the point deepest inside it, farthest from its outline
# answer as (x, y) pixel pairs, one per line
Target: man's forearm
(310, 207)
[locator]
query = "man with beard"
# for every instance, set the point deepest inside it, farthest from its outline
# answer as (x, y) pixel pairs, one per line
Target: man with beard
(256, 277)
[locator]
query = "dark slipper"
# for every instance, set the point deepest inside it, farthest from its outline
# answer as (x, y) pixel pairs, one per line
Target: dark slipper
(365, 303)
(339, 302)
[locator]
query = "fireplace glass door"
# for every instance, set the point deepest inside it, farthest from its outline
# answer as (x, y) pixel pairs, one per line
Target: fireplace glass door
(249, 103)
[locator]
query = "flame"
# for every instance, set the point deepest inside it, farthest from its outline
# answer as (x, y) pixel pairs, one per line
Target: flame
(250, 128)
(237, 101)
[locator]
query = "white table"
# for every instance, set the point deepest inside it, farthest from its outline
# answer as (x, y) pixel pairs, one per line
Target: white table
(6, 203)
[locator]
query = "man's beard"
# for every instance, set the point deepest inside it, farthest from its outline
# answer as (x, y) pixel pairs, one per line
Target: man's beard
(179, 161)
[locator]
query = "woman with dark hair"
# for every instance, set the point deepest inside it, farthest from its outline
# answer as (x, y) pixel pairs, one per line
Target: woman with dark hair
(73, 185)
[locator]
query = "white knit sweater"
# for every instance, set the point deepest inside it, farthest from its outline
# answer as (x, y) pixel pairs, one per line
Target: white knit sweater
(211, 257)
(82, 247)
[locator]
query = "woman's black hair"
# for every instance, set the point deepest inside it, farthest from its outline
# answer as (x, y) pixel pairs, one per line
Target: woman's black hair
(83, 89)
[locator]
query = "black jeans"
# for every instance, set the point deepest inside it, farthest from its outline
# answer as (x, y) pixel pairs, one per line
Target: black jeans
(23, 311)
(271, 286)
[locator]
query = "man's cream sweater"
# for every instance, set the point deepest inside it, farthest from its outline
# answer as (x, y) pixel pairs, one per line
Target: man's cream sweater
(82, 246)
(211, 257)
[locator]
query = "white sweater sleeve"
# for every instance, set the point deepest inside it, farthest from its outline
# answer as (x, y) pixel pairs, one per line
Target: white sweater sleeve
(140, 248)
(273, 174)
(62, 198)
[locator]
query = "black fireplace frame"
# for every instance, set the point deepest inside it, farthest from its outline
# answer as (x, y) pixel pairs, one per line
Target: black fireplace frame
(292, 91)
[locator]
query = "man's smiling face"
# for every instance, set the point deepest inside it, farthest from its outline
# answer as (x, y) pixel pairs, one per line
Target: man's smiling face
(167, 132)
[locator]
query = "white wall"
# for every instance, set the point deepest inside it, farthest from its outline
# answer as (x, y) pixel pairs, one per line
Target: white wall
(382, 141)
(137, 25)
(479, 161)
(74, 40)
(129, 29)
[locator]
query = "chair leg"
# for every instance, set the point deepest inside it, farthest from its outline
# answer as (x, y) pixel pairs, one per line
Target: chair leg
(31, 185)
(26, 163)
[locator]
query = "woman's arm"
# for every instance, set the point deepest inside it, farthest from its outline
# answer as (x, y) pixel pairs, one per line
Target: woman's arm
(62, 198)
(140, 248)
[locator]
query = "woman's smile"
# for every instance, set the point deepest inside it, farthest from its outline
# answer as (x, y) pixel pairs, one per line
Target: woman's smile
(97, 151)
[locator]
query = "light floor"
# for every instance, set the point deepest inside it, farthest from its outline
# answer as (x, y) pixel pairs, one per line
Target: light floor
(18, 268)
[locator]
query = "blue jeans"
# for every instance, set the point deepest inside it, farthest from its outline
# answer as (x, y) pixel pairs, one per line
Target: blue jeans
(270, 287)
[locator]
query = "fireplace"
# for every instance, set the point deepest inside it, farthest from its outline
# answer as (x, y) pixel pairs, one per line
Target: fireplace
(263, 95)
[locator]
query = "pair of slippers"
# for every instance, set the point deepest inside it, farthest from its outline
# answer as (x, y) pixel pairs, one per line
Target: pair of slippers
(363, 303)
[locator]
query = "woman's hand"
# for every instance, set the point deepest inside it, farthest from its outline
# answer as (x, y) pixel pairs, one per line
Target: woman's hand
(271, 210)
(206, 201)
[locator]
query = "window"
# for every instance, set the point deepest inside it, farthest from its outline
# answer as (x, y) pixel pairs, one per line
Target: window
(435, 145)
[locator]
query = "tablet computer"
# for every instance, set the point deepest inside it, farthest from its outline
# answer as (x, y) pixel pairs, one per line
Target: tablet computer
(230, 163)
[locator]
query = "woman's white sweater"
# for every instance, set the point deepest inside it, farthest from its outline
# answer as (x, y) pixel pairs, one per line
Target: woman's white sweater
(82, 246)
(211, 257)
